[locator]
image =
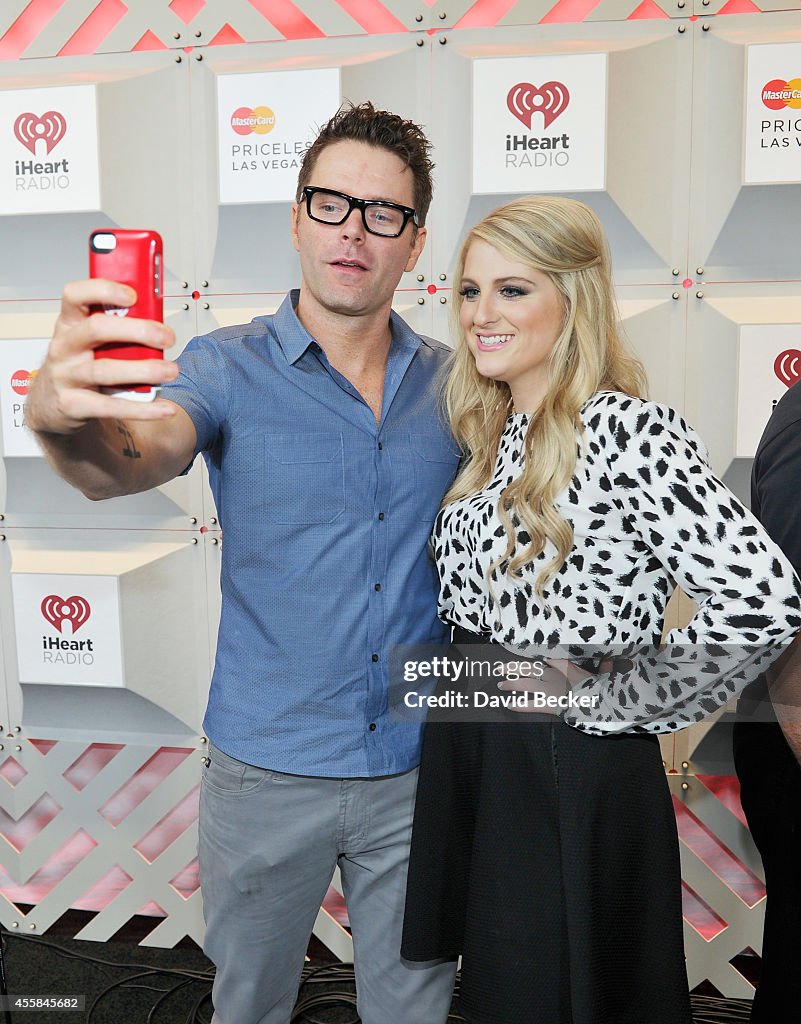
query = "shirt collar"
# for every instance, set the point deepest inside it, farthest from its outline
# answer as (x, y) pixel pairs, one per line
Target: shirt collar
(294, 339)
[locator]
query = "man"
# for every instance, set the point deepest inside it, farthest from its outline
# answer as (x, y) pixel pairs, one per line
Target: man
(327, 459)
(767, 750)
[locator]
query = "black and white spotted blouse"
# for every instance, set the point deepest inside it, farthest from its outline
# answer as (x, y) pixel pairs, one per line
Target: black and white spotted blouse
(647, 514)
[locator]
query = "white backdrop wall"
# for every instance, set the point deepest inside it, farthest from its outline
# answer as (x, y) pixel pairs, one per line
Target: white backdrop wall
(678, 122)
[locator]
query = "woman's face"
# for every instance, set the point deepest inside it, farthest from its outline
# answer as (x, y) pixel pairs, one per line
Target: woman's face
(512, 316)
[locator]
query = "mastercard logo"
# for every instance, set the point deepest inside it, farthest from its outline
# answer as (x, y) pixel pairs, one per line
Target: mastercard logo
(21, 381)
(778, 94)
(245, 120)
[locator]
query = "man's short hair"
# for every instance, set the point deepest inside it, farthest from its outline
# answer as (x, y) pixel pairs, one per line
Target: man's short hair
(380, 128)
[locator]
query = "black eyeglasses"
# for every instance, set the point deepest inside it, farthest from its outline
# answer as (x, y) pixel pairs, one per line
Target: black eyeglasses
(379, 218)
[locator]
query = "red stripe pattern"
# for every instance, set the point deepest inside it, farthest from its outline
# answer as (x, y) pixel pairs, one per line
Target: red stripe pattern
(285, 17)
(290, 21)
(93, 32)
(187, 10)
(373, 17)
(27, 28)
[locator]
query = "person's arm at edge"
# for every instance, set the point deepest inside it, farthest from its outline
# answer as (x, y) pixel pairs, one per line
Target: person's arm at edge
(784, 685)
(106, 446)
(777, 469)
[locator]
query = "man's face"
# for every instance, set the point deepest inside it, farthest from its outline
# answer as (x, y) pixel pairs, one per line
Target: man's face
(345, 269)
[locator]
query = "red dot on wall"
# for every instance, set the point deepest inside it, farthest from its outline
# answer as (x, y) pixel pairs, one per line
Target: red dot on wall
(687, 282)
(432, 289)
(195, 296)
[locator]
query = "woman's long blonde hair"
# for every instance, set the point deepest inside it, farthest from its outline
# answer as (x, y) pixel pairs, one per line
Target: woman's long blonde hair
(564, 239)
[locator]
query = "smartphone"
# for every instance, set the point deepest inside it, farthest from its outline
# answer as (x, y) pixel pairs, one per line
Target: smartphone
(134, 258)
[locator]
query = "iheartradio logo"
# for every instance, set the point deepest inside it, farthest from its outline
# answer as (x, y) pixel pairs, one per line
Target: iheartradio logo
(524, 100)
(787, 366)
(50, 128)
(247, 120)
(21, 381)
(778, 93)
(58, 610)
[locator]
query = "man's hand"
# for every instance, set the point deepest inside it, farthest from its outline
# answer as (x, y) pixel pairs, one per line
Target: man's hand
(88, 437)
(65, 393)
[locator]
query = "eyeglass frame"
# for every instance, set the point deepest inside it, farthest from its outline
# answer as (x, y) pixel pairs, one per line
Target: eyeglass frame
(409, 214)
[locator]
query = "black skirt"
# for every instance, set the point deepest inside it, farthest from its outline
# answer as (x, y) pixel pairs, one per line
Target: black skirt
(548, 859)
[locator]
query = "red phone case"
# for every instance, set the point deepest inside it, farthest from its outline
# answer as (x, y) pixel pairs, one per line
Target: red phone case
(136, 260)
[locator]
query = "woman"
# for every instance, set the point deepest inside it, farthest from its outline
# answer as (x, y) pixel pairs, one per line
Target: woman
(545, 849)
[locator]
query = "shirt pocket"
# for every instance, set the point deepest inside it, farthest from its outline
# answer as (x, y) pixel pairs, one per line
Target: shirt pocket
(434, 459)
(305, 481)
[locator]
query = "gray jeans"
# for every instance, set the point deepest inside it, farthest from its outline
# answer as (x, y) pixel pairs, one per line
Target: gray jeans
(268, 846)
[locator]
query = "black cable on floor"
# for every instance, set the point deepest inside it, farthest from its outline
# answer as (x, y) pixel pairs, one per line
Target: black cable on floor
(706, 1009)
(194, 1014)
(37, 940)
(150, 971)
(718, 1010)
(325, 999)
(164, 997)
(116, 984)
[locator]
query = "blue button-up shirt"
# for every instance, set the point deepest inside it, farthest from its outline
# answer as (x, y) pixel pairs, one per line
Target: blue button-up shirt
(326, 517)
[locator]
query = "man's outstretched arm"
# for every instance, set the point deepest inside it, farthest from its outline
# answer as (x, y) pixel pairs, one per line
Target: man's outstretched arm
(106, 446)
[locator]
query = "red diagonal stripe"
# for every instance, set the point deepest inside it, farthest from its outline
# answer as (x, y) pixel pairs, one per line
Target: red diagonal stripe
(226, 36)
(647, 9)
(187, 10)
(44, 746)
(285, 16)
(569, 10)
(739, 7)
(94, 30)
(149, 41)
(372, 16)
(36, 16)
(485, 14)
(699, 915)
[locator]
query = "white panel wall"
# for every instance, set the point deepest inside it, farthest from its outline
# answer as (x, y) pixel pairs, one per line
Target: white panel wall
(708, 270)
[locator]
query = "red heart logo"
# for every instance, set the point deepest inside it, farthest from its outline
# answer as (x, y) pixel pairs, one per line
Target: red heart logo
(787, 366)
(525, 100)
(51, 127)
(58, 610)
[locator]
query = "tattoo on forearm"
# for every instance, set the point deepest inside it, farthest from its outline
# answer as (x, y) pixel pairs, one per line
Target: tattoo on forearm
(130, 451)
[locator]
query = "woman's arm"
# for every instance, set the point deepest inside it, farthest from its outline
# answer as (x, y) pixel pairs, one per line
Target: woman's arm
(711, 546)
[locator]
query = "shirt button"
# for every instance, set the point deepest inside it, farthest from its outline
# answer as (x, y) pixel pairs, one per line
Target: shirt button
(380, 446)
(375, 657)
(378, 586)
(380, 515)
(373, 727)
